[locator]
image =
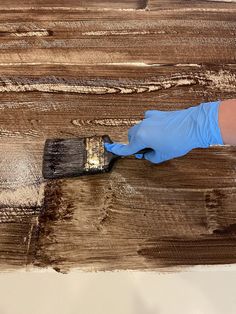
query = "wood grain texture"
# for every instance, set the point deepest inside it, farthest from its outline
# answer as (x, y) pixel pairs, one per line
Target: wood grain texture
(76, 4)
(108, 37)
(72, 69)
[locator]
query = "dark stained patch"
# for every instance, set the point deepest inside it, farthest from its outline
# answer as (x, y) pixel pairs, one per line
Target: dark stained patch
(228, 230)
(215, 199)
(190, 6)
(207, 250)
(111, 221)
(52, 212)
(52, 207)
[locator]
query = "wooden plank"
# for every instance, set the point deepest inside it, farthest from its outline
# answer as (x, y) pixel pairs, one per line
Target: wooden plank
(70, 101)
(66, 101)
(119, 37)
(81, 4)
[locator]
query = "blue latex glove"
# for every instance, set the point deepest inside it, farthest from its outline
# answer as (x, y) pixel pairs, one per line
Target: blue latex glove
(172, 133)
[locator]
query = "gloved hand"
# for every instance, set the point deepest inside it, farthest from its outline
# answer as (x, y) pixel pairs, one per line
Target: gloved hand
(172, 133)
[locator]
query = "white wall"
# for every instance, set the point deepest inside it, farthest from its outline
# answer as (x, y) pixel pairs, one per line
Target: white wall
(207, 291)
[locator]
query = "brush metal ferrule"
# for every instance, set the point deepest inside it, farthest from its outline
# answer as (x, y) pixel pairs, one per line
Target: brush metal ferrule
(95, 153)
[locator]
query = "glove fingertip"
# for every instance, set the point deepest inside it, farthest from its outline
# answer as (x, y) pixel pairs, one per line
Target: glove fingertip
(120, 149)
(108, 146)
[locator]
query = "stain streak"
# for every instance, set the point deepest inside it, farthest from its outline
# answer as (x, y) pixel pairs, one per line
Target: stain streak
(137, 226)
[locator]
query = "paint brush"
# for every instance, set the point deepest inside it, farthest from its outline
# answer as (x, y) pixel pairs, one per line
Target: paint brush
(73, 157)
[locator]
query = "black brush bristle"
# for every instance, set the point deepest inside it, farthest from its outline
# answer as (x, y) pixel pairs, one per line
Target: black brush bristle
(63, 156)
(76, 156)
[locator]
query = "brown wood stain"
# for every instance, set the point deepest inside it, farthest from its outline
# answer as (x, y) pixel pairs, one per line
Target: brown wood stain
(82, 69)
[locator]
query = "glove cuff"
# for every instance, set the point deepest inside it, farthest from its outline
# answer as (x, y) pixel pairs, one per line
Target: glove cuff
(208, 123)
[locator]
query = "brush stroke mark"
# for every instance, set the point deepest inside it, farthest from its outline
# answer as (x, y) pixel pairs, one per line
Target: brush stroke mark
(228, 230)
(53, 211)
(111, 221)
(191, 251)
(214, 203)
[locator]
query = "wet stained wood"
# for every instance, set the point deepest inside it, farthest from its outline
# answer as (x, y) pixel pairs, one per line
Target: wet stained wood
(143, 216)
(75, 69)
